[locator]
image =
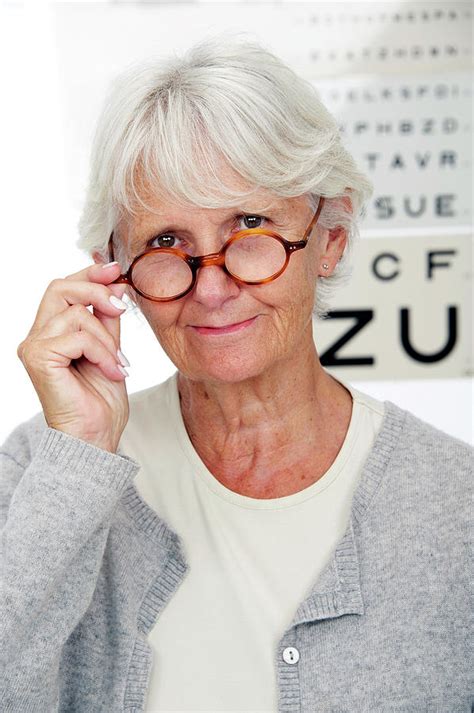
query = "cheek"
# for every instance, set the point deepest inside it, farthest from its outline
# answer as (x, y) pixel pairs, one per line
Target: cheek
(162, 318)
(313, 259)
(295, 288)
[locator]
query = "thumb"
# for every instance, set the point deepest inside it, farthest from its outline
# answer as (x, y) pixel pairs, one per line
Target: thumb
(112, 324)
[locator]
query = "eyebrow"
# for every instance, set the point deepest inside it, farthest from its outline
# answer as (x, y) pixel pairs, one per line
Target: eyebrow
(138, 242)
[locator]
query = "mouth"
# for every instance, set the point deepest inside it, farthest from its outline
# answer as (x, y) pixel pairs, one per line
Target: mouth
(223, 329)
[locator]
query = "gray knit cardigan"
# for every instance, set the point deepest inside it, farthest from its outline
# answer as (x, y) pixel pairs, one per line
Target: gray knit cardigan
(88, 567)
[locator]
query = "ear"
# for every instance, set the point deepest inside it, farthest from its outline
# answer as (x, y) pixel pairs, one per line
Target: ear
(98, 258)
(334, 244)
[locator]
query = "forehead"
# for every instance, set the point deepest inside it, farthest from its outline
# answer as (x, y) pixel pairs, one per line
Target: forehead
(158, 209)
(166, 212)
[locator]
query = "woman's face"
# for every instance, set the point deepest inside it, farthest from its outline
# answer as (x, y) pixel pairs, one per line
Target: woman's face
(223, 331)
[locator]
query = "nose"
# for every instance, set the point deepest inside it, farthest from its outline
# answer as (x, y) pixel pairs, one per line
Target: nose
(214, 287)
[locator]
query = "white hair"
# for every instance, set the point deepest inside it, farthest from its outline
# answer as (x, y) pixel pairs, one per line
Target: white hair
(169, 125)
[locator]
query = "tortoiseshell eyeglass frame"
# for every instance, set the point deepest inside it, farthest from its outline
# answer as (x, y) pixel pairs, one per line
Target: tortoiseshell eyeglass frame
(195, 262)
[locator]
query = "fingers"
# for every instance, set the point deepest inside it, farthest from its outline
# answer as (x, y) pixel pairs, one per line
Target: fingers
(111, 323)
(78, 318)
(47, 354)
(99, 272)
(63, 319)
(62, 293)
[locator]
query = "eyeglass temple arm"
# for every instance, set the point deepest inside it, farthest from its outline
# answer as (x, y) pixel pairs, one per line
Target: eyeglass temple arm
(120, 278)
(315, 218)
(111, 248)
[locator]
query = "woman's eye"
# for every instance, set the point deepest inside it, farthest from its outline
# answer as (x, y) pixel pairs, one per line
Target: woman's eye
(252, 221)
(163, 241)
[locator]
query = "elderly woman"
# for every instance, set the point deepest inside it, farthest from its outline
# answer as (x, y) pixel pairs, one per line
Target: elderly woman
(253, 534)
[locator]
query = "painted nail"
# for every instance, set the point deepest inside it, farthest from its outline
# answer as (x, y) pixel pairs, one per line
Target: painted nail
(117, 303)
(122, 370)
(109, 264)
(122, 358)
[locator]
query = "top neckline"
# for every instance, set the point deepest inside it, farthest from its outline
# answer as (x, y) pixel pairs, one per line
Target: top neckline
(245, 501)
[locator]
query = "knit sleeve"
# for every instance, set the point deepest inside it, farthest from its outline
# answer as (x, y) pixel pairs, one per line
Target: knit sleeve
(58, 503)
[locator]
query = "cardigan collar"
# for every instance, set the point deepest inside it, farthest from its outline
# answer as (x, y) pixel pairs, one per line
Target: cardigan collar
(337, 590)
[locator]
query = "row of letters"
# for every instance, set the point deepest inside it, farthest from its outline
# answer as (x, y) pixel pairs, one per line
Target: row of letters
(405, 127)
(418, 160)
(363, 317)
(368, 95)
(439, 206)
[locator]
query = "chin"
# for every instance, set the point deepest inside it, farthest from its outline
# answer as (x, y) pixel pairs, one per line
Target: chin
(227, 366)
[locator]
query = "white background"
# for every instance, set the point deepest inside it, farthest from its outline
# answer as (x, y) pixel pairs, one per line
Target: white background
(56, 60)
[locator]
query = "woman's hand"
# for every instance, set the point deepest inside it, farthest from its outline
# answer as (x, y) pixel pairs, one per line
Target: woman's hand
(71, 357)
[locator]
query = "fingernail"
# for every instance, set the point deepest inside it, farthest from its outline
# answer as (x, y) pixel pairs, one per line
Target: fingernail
(122, 370)
(109, 264)
(122, 358)
(117, 303)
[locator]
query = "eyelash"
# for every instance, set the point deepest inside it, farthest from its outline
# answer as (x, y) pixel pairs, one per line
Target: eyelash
(239, 218)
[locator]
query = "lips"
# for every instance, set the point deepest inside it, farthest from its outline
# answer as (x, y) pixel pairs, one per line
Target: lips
(223, 329)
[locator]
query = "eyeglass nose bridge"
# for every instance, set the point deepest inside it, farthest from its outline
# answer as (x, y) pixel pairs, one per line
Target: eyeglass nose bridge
(217, 259)
(210, 260)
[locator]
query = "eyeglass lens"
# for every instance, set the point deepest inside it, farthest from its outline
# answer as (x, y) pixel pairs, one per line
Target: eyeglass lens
(253, 258)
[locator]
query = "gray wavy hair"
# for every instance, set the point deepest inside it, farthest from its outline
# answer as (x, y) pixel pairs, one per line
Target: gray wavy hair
(168, 125)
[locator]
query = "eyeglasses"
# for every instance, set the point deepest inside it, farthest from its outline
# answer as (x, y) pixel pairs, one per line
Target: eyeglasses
(250, 257)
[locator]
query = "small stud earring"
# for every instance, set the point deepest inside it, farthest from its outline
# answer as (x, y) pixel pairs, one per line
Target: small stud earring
(325, 266)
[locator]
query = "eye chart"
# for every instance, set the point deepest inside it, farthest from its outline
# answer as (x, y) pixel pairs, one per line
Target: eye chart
(407, 312)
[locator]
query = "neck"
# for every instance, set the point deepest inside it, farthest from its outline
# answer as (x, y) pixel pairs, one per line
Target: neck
(273, 434)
